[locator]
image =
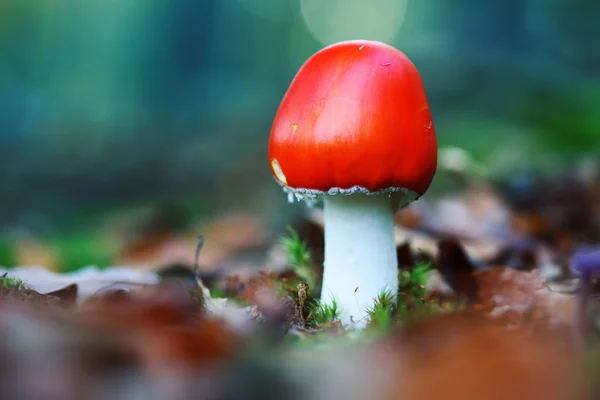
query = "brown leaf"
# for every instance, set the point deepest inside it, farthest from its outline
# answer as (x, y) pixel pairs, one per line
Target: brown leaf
(67, 295)
(503, 286)
(24, 296)
(521, 255)
(522, 297)
(457, 269)
(463, 357)
(559, 210)
(164, 323)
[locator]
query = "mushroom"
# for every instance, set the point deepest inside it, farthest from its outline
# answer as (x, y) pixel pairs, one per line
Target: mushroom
(355, 130)
(586, 264)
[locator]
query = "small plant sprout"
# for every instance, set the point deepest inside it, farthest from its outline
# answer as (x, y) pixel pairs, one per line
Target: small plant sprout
(299, 256)
(586, 264)
(355, 130)
(324, 313)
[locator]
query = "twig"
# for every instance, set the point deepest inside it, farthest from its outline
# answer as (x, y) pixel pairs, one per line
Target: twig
(196, 266)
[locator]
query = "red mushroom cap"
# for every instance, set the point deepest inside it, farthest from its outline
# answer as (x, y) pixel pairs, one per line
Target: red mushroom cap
(355, 117)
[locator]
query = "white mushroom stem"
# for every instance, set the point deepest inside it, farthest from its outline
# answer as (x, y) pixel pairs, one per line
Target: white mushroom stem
(360, 253)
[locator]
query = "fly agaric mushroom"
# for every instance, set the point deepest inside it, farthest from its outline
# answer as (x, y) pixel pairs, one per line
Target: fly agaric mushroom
(355, 129)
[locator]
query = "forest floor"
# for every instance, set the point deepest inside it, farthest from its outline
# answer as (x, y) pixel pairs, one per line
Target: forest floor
(487, 308)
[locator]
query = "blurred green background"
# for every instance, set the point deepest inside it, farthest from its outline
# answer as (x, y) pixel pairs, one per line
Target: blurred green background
(108, 105)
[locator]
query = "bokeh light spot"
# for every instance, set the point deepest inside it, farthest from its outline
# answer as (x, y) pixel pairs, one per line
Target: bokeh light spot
(333, 21)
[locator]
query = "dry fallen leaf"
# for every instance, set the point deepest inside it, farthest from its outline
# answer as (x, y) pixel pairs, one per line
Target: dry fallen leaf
(463, 357)
(519, 295)
(88, 280)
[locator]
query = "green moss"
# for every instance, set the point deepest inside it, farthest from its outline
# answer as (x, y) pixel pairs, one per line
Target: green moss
(412, 283)
(322, 313)
(382, 313)
(11, 282)
(299, 257)
(411, 304)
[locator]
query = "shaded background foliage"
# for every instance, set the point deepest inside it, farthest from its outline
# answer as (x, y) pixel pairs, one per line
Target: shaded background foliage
(106, 103)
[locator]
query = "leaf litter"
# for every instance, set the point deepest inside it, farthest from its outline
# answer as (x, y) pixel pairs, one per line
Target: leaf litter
(485, 310)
